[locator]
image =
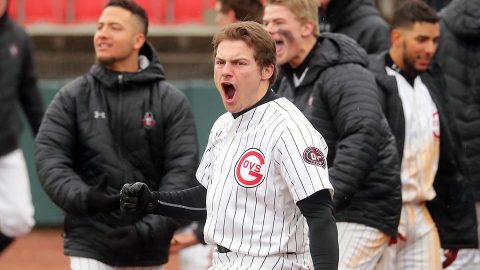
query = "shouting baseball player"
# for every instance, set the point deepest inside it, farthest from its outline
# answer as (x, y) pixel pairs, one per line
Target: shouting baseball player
(263, 175)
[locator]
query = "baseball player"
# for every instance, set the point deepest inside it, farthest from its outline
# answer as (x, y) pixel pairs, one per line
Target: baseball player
(438, 208)
(263, 174)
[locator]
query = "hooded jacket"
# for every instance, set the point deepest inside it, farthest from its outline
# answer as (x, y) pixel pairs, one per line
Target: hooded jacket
(358, 19)
(127, 127)
(339, 96)
(452, 209)
(18, 85)
(458, 55)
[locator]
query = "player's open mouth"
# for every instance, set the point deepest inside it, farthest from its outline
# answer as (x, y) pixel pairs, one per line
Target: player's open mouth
(228, 90)
(279, 45)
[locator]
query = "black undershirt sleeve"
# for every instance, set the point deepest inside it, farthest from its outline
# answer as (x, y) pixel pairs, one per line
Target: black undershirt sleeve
(183, 204)
(323, 235)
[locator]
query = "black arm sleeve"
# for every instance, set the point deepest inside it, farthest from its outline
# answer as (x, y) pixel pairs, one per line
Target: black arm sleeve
(317, 209)
(183, 204)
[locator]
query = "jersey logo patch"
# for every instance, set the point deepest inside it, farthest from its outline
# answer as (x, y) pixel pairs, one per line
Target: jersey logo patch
(248, 170)
(314, 156)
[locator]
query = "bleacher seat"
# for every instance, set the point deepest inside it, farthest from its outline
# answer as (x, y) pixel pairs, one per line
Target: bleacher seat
(81, 11)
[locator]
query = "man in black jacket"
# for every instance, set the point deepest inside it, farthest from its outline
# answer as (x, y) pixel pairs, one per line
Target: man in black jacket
(327, 79)
(438, 208)
(358, 19)
(18, 90)
(458, 55)
(120, 122)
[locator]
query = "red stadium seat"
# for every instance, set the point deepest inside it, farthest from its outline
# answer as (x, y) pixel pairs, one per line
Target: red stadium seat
(34, 11)
(87, 10)
(156, 10)
(191, 11)
(80, 11)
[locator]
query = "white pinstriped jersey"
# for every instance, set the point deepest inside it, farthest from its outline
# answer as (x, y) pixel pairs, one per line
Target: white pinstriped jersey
(421, 149)
(255, 168)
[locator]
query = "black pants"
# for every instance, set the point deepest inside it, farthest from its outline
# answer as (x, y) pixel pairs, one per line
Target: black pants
(5, 241)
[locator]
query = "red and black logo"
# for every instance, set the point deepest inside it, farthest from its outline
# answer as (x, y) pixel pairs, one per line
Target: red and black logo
(314, 156)
(148, 120)
(249, 168)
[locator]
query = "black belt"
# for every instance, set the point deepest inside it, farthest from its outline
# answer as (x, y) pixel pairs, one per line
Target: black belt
(221, 249)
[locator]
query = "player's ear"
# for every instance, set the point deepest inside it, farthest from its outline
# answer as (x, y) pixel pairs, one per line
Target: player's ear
(396, 37)
(139, 41)
(307, 29)
(267, 72)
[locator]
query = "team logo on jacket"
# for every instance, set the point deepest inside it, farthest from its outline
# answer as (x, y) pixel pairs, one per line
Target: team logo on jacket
(314, 156)
(249, 168)
(148, 120)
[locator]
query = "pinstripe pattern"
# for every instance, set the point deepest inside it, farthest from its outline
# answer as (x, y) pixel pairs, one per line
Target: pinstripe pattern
(422, 144)
(421, 249)
(238, 261)
(80, 263)
(360, 246)
(261, 220)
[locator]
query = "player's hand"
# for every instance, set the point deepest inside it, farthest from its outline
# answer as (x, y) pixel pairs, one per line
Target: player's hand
(182, 240)
(99, 201)
(450, 256)
(136, 198)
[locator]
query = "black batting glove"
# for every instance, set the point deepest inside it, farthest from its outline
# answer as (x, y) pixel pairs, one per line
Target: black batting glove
(136, 199)
(99, 201)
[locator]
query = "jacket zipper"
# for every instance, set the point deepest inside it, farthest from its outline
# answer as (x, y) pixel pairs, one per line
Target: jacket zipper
(124, 168)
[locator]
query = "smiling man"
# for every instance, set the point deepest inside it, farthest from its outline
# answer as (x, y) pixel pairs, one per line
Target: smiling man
(120, 121)
(263, 176)
(438, 208)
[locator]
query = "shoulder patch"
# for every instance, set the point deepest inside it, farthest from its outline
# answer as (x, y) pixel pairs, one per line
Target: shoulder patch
(314, 156)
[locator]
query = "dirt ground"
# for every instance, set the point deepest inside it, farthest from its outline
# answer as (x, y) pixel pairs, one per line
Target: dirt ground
(42, 249)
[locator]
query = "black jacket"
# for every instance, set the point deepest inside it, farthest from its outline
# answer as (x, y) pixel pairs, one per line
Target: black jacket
(101, 123)
(458, 55)
(339, 97)
(18, 85)
(452, 209)
(358, 19)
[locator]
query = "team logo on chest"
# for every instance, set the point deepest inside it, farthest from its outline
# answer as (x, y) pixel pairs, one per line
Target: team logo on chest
(148, 120)
(314, 156)
(249, 168)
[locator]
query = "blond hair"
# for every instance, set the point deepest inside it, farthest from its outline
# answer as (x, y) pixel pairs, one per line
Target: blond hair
(304, 10)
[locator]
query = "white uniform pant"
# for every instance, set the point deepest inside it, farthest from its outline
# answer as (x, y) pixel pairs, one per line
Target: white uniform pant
(196, 257)
(360, 246)
(419, 246)
(81, 263)
(16, 208)
(469, 259)
(238, 261)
